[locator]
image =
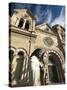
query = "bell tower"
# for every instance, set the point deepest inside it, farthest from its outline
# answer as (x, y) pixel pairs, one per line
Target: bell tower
(23, 19)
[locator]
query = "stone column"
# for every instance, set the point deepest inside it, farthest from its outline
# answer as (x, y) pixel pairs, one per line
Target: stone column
(46, 74)
(24, 24)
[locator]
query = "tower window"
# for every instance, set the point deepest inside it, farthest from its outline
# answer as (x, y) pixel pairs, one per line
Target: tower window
(27, 25)
(21, 22)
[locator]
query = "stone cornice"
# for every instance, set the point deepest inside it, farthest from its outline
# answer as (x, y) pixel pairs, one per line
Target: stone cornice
(22, 31)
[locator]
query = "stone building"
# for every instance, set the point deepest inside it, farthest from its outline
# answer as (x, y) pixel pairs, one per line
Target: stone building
(24, 38)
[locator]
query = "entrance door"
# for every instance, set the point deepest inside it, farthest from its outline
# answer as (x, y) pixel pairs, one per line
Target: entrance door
(54, 69)
(53, 76)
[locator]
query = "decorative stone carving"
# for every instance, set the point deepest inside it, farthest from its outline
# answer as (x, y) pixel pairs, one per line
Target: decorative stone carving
(48, 41)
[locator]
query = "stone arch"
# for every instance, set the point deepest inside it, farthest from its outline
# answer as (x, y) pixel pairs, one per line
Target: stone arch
(57, 52)
(38, 52)
(35, 67)
(57, 60)
(21, 65)
(23, 50)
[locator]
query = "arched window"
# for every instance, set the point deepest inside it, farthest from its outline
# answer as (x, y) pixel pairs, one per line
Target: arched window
(21, 22)
(27, 25)
(19, 67)
(21, 54)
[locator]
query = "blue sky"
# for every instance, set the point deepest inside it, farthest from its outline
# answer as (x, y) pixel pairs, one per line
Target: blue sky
(51, 14)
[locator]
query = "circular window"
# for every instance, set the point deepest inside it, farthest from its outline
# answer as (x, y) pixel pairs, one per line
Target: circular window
(48, 41)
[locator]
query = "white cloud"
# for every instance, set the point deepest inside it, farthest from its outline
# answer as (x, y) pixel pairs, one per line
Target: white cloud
(60, 19)
(44, 16)
(48, 16)
(38, 13)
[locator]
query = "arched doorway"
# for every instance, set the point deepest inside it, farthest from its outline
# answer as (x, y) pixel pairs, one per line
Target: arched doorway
(19, 67)
(55, 69)
(35, 67)
(18, 70)
(52, 71)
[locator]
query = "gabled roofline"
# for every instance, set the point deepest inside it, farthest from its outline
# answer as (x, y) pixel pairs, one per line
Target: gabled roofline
(43, 24)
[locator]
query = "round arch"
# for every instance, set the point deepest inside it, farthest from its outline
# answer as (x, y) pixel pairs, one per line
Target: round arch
(36, 60)
(24, 61)
(38, 52)
(24, 51)
(57, 53)
(55, 65)
(11, 53)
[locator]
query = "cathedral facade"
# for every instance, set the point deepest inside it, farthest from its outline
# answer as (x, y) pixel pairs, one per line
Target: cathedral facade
(24, 38)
